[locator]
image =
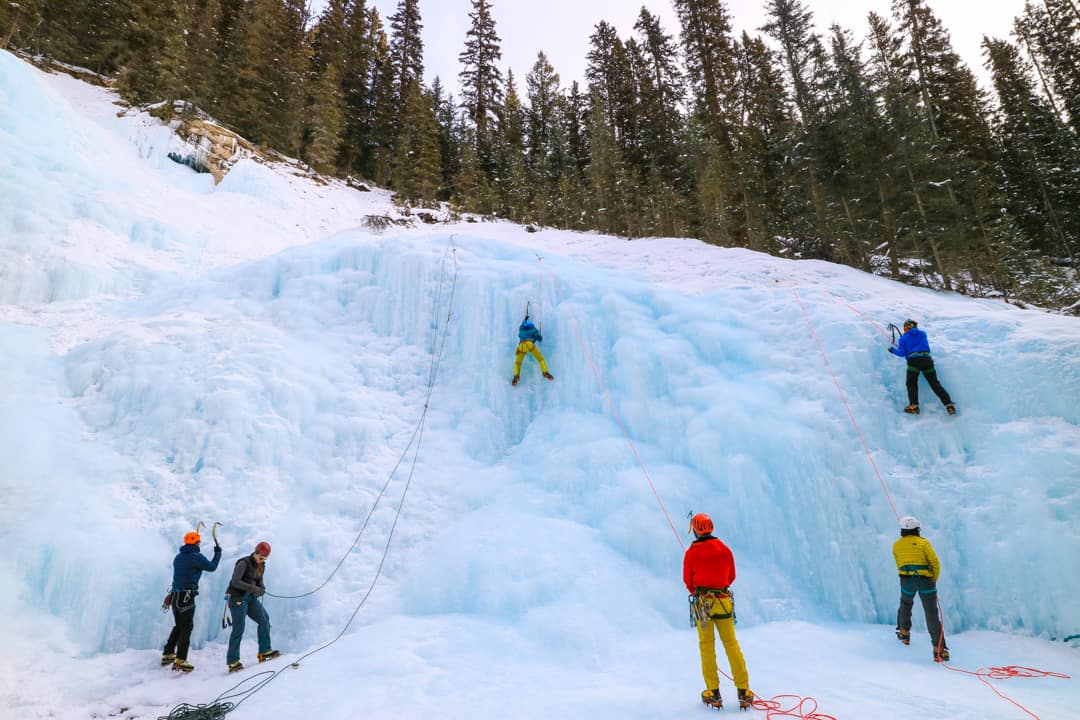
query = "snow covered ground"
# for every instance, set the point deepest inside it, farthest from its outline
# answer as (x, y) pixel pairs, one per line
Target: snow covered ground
(172, 351)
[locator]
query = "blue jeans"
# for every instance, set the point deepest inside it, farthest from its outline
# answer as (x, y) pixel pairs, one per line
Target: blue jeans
(247, 607)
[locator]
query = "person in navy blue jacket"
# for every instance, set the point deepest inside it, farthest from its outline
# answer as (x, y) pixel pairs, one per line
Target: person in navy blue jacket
(916, 349)
(188, 566)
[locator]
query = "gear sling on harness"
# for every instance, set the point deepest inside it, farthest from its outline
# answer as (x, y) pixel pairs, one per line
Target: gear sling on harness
(705, 601)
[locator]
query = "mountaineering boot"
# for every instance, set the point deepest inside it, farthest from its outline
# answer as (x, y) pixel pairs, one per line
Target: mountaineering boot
(746, 699)
(903, 636)
(950, 408)
(912, 409)
(514, 382)
(235, 666)
(712, 698)
(549, 376)
(167, 659)
(941, 655)
(182, 666)
(268, 655)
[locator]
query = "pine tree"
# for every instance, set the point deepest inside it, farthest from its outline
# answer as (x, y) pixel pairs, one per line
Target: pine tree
(791, 25)
(324, 119)
(1052, 32)
(868, 172)
(357, 78)
(406, 45)
(902, 190)
(155, 53)
(710, 52)
(710, 65)
(19, 22)
(764, 144)
(508, 151)
(87, 33)
(270, 100)
(660, 98)
(545, 150)
(956, 110)
(449, 152)
(417, 166)
(1040, 162)
(610, 77)
(481, 82)
(379, 152)
(203, 43)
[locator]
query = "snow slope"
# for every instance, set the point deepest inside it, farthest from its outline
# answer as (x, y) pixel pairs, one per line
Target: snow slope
(250, 354)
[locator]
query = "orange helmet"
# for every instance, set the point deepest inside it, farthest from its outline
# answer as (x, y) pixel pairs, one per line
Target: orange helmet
(192, 538)
(701, 524)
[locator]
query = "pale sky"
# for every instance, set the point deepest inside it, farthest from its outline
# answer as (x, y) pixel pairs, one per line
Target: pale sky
(561, 28)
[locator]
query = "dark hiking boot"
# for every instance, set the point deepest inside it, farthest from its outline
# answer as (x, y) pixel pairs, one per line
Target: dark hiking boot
(167, 659)
(903, 636)
(712, 698)
(746, 699)
(236, 666)
(549, 376)
(950, 408)
(912, 409)
(182, 666)
(268, 655)
(941, 655)
(515, 381)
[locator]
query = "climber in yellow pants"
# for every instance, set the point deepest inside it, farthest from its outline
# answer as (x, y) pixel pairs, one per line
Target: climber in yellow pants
(721, 618)
(528, 337)
(708, 571)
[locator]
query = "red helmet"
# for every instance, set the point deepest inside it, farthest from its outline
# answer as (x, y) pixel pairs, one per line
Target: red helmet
(263, 548)
(701, 524)
(192, 538)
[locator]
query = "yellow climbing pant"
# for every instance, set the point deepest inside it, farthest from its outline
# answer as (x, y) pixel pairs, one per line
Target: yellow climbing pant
(707, 643)
(528, 347)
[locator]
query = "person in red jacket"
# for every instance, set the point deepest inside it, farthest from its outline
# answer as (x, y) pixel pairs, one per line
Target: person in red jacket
(708, 571)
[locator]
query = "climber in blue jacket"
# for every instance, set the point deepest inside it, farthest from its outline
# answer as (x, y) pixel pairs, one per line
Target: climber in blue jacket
(915, 348)
(528, 337)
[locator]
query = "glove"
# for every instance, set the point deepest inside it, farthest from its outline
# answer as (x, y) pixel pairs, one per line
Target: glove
(258, 592)
(217, 548)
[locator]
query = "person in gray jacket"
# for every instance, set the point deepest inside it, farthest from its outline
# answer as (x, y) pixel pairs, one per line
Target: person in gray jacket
(245, 589)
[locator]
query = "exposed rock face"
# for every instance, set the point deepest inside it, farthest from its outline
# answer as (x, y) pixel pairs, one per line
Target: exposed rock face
(216, 148)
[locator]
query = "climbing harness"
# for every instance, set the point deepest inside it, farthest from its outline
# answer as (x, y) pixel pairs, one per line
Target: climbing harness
(702, 605)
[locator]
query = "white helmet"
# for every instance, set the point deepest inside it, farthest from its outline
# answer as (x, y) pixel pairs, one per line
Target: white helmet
(909, 523)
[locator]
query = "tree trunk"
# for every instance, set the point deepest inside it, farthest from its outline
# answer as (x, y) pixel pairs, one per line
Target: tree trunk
(888, 221)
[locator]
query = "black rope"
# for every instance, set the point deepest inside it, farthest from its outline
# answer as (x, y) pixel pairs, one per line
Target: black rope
(431, 381)
(220, 707)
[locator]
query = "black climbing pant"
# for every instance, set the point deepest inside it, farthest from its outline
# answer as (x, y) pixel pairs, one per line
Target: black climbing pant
(923, 364)
(183, 609)
(926, 589)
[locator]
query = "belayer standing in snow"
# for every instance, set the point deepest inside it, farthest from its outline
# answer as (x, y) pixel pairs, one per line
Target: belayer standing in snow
(919, 568)
(916, 349)
(708, 571)
(188, 566)
(528, 337)
(245, 589)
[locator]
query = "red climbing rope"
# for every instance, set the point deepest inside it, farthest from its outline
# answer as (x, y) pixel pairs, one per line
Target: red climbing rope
(847, 406)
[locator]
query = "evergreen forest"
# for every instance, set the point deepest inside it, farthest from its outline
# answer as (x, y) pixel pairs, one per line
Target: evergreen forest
(874, 147)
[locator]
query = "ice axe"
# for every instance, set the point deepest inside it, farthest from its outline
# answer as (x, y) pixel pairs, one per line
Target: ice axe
(213, 534)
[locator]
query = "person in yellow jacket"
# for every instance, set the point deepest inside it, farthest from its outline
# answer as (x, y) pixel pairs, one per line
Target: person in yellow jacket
(528, 337)
(919, 569)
